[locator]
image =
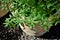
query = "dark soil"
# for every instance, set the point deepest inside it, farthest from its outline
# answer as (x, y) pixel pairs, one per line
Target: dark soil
(18, 34)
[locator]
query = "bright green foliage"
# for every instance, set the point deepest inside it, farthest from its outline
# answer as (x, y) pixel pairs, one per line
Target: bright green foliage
(34, 12)
(12, 22)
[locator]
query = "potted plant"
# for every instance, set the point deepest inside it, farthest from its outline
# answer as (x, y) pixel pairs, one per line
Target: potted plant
(35, 17)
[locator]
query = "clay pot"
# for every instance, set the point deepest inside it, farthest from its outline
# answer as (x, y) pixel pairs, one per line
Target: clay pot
(37, 31)
(3, 13)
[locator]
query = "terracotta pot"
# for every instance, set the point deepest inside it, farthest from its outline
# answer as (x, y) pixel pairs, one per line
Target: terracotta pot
(2, 10)
(37, 31)
(2, 13)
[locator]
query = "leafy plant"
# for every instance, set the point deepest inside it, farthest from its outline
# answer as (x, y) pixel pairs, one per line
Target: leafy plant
(12, 22)
(34, 12)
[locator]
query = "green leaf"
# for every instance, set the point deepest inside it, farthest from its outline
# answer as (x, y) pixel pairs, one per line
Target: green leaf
(49, 5)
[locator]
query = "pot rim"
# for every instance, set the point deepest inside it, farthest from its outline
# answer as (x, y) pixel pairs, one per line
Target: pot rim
(3, 13)
(34, 33)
